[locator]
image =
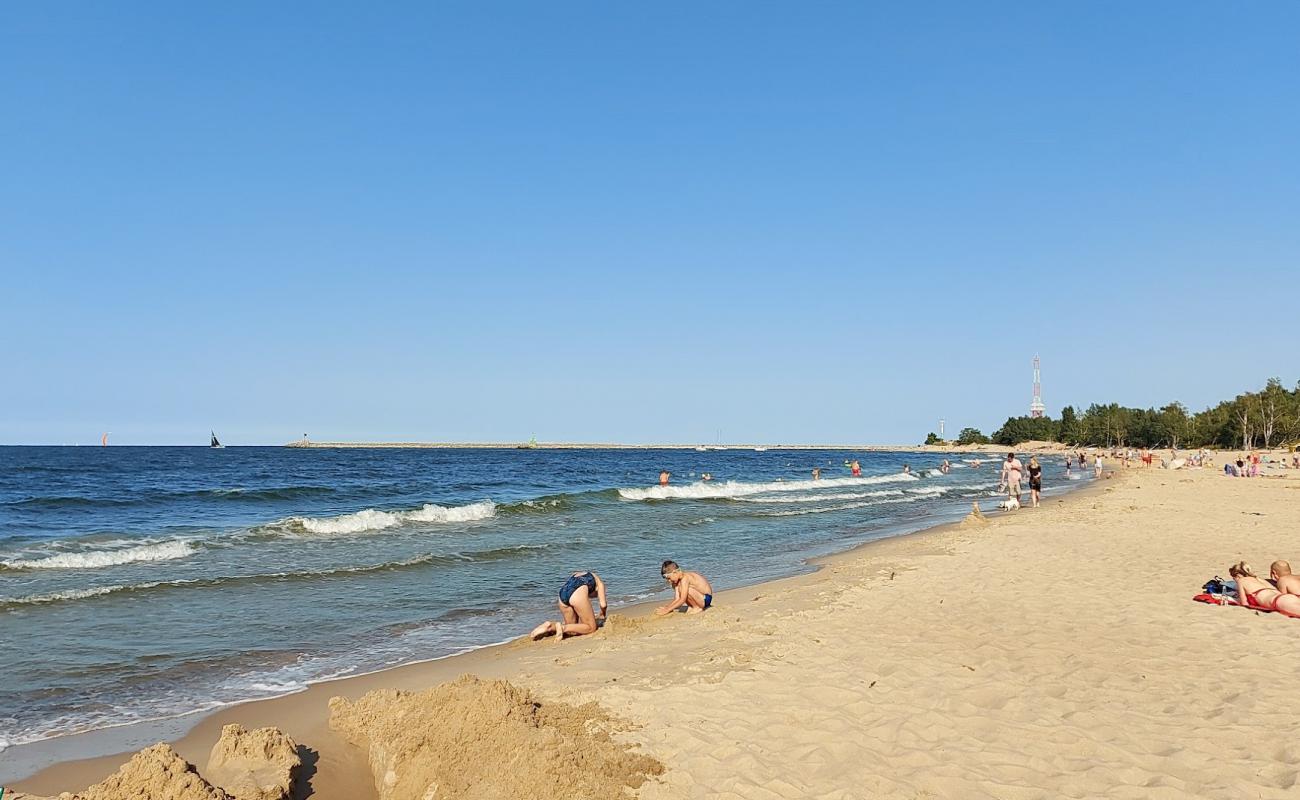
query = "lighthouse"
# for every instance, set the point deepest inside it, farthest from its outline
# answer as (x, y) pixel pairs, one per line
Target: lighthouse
(1036, 407)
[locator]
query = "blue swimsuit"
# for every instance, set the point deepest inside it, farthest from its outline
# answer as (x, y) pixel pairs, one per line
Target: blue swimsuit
(572, 584)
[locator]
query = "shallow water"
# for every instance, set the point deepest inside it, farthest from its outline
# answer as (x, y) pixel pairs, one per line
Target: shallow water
(141, 583)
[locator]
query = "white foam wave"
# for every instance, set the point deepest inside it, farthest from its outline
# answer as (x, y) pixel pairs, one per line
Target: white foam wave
(94, 559)
(815, 498)
(54, 597)
(371, 519)
(714, 490)
(845, 507)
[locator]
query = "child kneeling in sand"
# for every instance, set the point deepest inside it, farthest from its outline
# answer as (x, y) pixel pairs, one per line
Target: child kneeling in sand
(691, 590)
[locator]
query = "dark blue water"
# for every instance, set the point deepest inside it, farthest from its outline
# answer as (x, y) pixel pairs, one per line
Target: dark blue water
(139, 583)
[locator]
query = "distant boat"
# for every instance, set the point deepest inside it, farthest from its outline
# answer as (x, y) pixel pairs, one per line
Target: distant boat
(103, 440)
(215, 444)
(532, 445)
(760, 449)
(701, 449)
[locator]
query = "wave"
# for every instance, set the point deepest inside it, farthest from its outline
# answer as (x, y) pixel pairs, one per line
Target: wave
(714, 490)
(67, 501)
(538, 505)
(95, 559)
(372, 519)
(79, 501)
(816, 498)
(429, 559)
(263, 493)
(845, 507)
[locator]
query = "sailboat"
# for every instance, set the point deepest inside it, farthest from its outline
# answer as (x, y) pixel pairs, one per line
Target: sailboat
(103, 440)
(215, 444)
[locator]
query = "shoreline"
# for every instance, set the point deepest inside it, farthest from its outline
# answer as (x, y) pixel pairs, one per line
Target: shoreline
(994, 659)
(99, 751)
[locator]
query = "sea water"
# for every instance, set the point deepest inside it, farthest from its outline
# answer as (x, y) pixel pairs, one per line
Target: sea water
(147, 582)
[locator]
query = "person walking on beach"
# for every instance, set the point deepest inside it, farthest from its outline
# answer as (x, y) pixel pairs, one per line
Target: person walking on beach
(1012, 471)
(577, 607)
(1096, 466)
(664, 475)
(691, 589)
(1035, 481)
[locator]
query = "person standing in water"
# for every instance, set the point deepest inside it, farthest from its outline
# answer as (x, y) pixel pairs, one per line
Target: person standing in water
(576, 607)
(855, 468)
(817, 473)
(664, 475)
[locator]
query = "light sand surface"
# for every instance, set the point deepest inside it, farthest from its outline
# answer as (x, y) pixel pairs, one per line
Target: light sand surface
(1050, 653)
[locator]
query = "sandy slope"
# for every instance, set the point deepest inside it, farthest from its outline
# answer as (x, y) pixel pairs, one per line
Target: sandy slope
(1052, 653)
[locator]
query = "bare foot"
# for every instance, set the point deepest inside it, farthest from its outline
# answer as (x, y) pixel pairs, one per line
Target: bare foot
(541, 630)
(694, 610)
(559, 632)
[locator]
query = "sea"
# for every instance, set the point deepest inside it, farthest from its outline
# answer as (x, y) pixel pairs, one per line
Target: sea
(144, 583)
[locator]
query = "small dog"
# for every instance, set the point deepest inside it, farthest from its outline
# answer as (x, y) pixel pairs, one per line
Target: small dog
(1010, 504)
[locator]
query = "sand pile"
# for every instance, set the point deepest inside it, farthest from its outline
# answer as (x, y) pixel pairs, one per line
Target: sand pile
(250, 765)
(254, 765)
(473, 738)
(975, 519)
(154, 773)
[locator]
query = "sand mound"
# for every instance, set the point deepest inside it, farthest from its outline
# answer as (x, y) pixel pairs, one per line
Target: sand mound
(251, 765)
(254, 765)
(154, 773)
(473, 738)
(974, 519)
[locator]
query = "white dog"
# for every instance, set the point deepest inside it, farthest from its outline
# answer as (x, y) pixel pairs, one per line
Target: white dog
(1010, 504)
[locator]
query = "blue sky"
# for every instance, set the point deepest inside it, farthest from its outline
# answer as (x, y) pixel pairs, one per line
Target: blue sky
(782, 222)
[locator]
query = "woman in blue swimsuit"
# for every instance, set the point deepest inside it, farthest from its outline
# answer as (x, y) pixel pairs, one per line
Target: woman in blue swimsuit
(576, 605)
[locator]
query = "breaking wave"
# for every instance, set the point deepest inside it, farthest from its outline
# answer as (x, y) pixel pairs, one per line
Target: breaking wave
(372, 519)
(95, 559)
(713, 490)
(434, 559)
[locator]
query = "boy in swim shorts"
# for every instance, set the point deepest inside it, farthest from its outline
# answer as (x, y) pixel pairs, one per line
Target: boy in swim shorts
(691, 589)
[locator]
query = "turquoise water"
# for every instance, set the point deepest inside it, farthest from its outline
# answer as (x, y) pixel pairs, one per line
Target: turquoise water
(143, 583)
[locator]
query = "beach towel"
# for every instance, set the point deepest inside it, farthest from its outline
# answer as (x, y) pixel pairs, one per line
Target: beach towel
(1230, 600)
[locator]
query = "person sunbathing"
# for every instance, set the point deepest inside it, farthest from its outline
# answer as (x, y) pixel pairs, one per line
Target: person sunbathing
(1255, 593)
(1286, 583)
(577, 608)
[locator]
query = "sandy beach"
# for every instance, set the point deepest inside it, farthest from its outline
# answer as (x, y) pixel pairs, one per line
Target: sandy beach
(1044, 653)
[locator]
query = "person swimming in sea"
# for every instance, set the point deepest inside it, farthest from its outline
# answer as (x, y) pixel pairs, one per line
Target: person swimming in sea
(817, 473)
(664, 475)
(577, 607)
(691, 589)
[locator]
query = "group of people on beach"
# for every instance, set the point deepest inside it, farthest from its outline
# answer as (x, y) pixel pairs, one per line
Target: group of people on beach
(1280, 593)
(1249, 466)
(584, 592)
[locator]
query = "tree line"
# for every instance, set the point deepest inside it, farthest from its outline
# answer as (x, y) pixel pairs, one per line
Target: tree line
(1269, 417)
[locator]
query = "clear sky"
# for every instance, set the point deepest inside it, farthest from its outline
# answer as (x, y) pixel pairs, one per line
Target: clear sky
(637, 222)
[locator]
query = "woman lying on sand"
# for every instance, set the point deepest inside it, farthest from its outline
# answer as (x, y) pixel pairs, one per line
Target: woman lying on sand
(1251, 591)
(576, 606)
